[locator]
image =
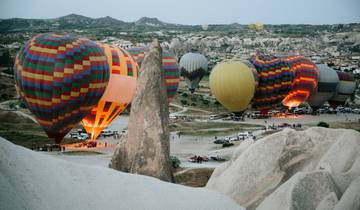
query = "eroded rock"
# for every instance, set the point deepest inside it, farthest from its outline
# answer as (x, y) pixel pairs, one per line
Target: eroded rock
(147, 149)
(302, 191)
(257, 169)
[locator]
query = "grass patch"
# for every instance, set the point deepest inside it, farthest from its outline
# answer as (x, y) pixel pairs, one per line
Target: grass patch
(82, 153)
(345, 125)
(23, 132)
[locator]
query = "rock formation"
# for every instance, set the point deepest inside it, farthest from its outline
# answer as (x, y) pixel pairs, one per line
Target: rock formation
(328, 203)
(260, 169)
(302, 191)
(34, 181)
(147, 149)
(351, 198)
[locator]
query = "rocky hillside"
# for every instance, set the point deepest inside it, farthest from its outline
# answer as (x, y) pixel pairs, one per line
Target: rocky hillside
(318, 168)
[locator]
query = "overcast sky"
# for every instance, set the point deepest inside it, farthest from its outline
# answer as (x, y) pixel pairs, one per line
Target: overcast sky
(193, 11)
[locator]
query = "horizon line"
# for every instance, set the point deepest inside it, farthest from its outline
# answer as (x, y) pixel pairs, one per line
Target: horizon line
(49, 18)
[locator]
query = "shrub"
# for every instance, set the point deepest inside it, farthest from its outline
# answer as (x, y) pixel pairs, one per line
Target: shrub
(184, 102)
(175, 162)
(205, 102)
(323, 124)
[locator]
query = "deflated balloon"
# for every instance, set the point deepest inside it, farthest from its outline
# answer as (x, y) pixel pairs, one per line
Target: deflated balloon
(119, 91)
(60, 77)
(233, 84)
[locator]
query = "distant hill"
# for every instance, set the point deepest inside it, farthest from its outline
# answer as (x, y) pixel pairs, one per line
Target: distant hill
(74, 21)
(154, 22)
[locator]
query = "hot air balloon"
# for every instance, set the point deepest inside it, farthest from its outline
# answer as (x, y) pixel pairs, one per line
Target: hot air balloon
(233, 84)
(169, 65)
(253, 70)
(138, 54)
(328, 81)
(346, 88)
(119, 91)
(275, 81)
(60, 77)
(305, 81)
(256, 26)
(205, 27)
(193, 67)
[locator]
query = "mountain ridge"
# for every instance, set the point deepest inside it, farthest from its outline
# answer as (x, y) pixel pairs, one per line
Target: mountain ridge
(77, 21)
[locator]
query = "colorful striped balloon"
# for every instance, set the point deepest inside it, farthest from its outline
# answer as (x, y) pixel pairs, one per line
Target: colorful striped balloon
(305, 81)
(169, 65)
(172, 76)
(60, 77)
(138, 54)
(118, 94)
(275, 81)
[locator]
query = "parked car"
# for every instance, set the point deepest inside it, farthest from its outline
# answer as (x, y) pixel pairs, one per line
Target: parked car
(107, 132)
(83, 136)
(322, 110)
(283, 125)
(80, 136)
(356, 111)
(244, 135)
(221, 141)
(228, 144)
(301, 110)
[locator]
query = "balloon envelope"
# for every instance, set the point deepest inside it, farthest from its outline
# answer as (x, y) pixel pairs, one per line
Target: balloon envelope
(118, 94)
(169, 65)
(275, 81)
(60, 77)
(193, 67)
(305, 81)
(233, 84)
(346, 88)
(328, 81)
(138, 54)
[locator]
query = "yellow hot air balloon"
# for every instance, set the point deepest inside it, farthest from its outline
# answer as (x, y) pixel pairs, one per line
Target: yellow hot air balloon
(256, 26)
(233, 84)
(118, 93)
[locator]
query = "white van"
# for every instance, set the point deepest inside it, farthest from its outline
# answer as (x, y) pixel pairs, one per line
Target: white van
(244, 135)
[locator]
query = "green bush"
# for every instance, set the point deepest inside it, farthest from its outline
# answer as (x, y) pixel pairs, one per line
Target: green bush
(323, 124)
(184, 95)
(175, 162)
(205, 102)
(184, 102)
